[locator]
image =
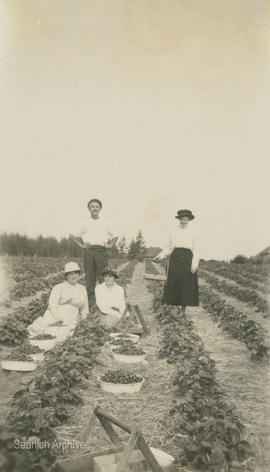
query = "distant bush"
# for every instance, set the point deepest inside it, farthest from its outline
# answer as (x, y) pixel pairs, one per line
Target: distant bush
(240, 259)
(258, 260)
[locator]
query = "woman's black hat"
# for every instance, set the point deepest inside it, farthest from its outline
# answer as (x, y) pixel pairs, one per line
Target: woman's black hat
(187, 213)
(110, 271)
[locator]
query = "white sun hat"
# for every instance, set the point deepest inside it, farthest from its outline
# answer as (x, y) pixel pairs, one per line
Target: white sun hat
(72, 267)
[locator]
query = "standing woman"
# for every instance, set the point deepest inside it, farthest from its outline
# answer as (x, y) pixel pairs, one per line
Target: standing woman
(181, 286)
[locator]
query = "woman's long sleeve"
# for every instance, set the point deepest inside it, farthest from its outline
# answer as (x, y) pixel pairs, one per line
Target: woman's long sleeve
(54, 300)
(100, 300)
(167, 250)
(195, 252)
(85, 308)
(122, 301)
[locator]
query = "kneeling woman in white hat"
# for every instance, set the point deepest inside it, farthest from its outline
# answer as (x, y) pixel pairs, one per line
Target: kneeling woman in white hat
(68, 300)
(110, 298)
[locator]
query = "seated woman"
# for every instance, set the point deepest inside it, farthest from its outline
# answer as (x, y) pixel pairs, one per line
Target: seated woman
(110, 298)
(68, 300)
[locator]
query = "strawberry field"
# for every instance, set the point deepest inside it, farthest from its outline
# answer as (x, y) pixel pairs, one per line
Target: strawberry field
(205, 394)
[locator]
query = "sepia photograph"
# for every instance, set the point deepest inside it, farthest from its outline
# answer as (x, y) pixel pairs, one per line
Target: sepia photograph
(134, 236)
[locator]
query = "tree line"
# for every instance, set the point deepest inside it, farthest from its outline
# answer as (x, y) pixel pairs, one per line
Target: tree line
(15, 244)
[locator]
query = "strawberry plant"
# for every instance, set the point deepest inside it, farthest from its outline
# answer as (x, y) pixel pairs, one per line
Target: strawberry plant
(121, 376)
(18, 356)
(235, 323)
(121, 342)
(243, 294)
(129, 349)
(43, 336)
(227, 271)
(13, 328)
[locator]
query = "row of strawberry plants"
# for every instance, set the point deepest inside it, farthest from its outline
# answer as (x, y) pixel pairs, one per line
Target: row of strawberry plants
(250, 271)
(235, 323)
(25, 288)
(243, 294)
(13, 328)
(228, 273)
(27, 268)
(45, 400)
(209, 434)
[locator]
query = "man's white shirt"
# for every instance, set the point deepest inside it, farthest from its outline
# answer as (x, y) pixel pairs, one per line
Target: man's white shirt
(96, 232)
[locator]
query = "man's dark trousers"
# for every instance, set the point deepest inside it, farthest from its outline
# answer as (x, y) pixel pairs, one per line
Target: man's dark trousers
(95, 261)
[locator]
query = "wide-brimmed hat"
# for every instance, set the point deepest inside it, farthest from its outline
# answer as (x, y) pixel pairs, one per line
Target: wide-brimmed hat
(94, 200)
(110, 271)
(71, 267)
(187, 213)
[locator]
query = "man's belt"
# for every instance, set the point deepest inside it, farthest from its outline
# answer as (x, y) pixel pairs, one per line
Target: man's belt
(97, 247)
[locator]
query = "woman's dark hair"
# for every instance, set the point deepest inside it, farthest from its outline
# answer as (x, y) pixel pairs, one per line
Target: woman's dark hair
(73, 272)
(96, 200)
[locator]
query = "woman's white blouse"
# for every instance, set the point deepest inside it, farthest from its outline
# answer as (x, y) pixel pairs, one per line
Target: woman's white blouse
(66, 293)
(108, 297)
(186, 238)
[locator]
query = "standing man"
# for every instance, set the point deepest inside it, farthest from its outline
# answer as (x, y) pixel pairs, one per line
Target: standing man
(95, 237)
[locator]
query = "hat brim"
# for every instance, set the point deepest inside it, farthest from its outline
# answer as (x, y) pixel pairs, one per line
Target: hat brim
(114, 274)
(70, 271)
(190, 217)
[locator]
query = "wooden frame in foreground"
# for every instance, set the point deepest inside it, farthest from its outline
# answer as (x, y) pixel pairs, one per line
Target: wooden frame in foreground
(136, 441)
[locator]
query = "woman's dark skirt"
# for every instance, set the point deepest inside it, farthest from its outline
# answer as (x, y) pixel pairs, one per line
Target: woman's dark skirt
(181, 286)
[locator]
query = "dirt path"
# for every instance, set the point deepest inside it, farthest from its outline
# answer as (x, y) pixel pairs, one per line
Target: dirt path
(246, 384)
(147, 410)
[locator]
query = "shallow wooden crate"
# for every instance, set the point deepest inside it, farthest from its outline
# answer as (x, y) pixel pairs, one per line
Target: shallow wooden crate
(135, 456)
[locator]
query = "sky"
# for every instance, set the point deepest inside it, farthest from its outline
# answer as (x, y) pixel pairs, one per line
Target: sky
(149, 105)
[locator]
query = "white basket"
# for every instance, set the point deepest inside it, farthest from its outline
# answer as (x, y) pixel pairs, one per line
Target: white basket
(128, 359)
(120, 388)
(22, 366)
(45, 344)
(164, 459)
(37, 357)
(110, 346)
(133, 337)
